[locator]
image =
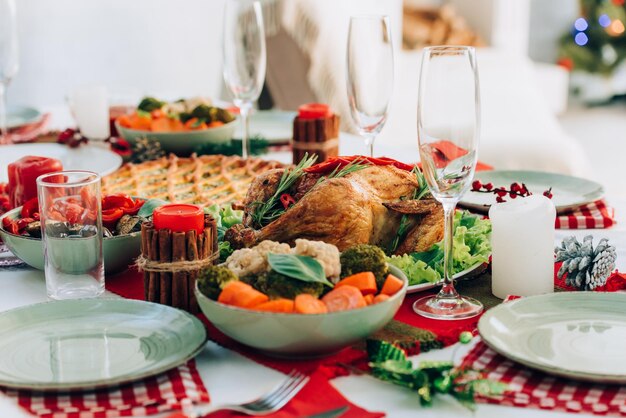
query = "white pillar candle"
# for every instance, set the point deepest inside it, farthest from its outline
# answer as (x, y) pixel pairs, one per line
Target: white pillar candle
(522, 241)
(90, 108)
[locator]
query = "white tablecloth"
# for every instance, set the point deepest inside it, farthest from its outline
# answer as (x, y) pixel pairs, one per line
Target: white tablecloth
(231, 378)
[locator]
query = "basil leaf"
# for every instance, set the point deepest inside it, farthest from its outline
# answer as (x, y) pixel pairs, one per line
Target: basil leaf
(299, 267)
(151, 204)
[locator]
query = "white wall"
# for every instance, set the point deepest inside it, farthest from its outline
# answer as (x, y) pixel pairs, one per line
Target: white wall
(134, 47)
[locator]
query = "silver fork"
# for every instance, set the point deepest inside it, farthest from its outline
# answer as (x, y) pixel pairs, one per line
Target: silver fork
(270, 402)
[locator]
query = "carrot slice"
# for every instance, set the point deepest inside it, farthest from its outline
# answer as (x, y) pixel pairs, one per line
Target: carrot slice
(344, 298)
(380, 298)
(240, 294)
(139, 123)
(391, 286)
(160, 125)
(215, 124)
(276, 305)
(309, 304)
(176, 125)
(124, 121)
(369, 299)
(365, 282)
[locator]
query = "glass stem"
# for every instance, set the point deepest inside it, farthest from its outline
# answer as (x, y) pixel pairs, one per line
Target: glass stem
(448, 290)
(369, 143)
(244, 110)
(4, 132)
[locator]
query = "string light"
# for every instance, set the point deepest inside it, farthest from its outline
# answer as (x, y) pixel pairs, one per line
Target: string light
(616, 28)
(581, 24)
(604, 21)
(581, 39)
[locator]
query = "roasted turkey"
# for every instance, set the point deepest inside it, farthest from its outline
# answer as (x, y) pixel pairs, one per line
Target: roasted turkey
(365, 206)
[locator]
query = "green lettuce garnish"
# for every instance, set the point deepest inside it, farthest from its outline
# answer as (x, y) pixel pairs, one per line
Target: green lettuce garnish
(471, 246)
(225, 215)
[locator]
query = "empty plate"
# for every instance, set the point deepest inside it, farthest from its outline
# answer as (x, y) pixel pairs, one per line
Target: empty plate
(579, 335)
(91, 343)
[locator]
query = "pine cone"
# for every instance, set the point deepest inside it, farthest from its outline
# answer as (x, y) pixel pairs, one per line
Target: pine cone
(586, 267)
(146, 150)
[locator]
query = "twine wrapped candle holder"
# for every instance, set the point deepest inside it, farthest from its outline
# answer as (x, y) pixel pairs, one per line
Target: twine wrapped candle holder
(172, 261)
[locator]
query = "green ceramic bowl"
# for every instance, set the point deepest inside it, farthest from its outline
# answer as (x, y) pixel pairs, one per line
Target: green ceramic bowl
(182, 143)
(295, 335)
(119, 251)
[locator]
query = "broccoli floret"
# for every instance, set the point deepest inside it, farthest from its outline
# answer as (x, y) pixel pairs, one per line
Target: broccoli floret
(204, 112)
(213, 279)
(210, 114)
(224, 115)
(277, 285)
(148, 104)
(364, 257)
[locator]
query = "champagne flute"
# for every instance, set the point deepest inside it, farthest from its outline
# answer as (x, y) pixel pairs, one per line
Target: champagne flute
(448, 125)
(244, 58)
(369, 75)
(8, 59)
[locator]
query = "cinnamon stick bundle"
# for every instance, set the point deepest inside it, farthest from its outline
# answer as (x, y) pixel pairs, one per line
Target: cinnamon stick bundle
(315, 136)
(175, 287)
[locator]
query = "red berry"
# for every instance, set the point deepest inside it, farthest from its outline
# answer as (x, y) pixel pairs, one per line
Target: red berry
(515, 187)
(512, 195)
(500, 199)
(476, 185)
(500, 192)
(488, 186)
(524, 190)
(66, 135)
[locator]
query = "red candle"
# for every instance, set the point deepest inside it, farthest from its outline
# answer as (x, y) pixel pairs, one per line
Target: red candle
(23, 174)
(179, 218)
(314, 111)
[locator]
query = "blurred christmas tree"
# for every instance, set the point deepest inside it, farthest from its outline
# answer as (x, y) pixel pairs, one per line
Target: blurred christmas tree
(595, 49)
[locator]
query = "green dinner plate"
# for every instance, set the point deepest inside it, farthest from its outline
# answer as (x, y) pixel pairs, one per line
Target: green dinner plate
(85, 344)
(21, 115)
(568, 192)
(579, 335)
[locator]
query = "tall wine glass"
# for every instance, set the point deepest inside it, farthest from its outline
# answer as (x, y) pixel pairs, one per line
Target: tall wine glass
(8, 59)
(244, 57)
(448, 129)
(369, 75)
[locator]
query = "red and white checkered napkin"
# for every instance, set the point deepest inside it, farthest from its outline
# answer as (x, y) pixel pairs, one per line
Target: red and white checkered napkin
(174, 390)
(595, 215)
(532, 389)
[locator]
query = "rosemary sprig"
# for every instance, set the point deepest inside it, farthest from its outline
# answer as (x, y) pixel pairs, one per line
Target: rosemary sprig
(419, 194)
(266, 212)
(352, 167)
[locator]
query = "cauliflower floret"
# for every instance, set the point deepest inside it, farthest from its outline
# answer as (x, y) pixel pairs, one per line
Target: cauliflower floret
(326, 254)
(272, 247)
(245, 262)
(253, 261)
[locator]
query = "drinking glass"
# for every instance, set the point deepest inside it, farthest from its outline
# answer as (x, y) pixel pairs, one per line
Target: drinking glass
(8, 59)
(71, 231)
(244, 58)
(369, 75)
(448, 125)
(90, 108)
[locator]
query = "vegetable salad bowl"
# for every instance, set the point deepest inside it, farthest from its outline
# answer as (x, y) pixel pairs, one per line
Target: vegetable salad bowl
(301, 335)
(119, 251)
